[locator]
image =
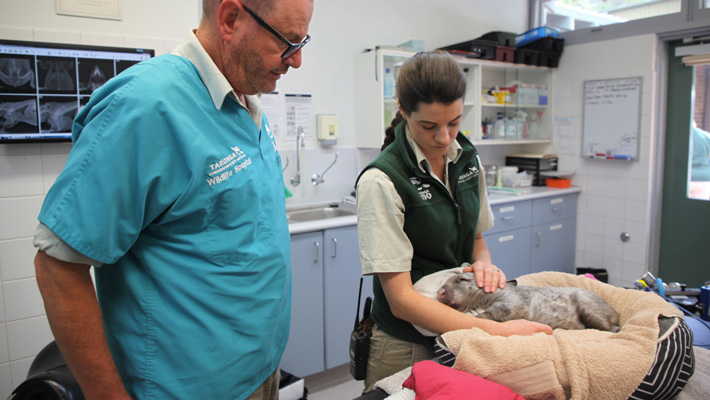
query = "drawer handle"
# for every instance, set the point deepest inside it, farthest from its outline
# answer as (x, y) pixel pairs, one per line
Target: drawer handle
(508, 218)
(538, 239)
(316, 250)
(556, 209)
(335, 248)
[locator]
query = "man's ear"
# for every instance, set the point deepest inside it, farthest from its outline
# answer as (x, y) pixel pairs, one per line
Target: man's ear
(228, 13)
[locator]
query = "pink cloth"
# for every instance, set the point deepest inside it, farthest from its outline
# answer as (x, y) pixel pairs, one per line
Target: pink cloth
(432, 381)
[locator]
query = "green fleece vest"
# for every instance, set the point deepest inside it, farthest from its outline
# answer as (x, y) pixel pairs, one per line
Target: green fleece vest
(440, 226)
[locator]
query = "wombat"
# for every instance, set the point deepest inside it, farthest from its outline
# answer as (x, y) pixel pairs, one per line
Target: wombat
(558, 307)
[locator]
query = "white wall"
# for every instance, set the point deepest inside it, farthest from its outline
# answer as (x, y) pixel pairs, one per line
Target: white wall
(616, 194)
(340, 30)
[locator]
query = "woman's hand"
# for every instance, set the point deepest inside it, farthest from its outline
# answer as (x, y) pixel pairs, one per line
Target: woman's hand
(520, 327)
(488, 276)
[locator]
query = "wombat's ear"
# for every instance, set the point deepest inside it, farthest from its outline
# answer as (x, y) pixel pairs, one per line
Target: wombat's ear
(465, 277)
(512, 282)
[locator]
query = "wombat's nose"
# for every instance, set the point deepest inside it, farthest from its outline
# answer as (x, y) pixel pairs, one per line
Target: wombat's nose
(441, 294)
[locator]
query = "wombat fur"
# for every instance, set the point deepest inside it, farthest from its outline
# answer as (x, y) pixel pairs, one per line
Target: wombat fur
(558, 307)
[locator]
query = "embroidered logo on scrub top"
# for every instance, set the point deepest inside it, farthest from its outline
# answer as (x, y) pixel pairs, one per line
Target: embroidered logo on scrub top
(228, 166)
(423, 188)
(468, 175)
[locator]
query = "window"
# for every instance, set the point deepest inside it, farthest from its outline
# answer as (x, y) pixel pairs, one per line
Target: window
(570, 15)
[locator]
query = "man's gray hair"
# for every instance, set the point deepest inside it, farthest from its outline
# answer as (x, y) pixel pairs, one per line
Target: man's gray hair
(261, 7)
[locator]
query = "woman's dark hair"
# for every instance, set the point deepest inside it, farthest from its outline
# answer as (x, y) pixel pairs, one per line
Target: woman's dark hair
(427, 77)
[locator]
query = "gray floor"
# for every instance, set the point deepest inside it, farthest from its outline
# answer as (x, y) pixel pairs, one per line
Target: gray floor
(333, 384)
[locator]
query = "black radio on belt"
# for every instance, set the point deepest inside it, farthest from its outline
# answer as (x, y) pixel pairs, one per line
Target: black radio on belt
(360, 340)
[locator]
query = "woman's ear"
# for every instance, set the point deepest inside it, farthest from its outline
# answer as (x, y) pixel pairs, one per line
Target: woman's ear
(401, 111)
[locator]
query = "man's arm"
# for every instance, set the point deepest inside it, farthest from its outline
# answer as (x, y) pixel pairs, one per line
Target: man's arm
(75, 318)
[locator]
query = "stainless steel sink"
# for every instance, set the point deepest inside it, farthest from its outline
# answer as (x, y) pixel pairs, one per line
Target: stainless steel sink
(317, 214)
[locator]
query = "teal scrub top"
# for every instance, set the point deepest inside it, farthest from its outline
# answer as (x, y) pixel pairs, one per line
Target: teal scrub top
(184, 204)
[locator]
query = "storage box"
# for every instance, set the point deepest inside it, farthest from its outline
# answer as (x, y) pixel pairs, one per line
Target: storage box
(482, 49)
(558, 183)
(292, 387)
(526, 56)
(533, 164)
(534, 34)
(501, 38)
(506, 54)
(546, 44)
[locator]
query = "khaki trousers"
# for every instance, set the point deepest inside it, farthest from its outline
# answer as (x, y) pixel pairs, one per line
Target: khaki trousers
(269, 390)
(389, 355)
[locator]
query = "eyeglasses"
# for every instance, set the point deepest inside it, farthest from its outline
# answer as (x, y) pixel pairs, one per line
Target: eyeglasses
(292, 47)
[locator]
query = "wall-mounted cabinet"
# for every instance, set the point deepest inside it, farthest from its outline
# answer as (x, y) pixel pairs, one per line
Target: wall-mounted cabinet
(519, 94)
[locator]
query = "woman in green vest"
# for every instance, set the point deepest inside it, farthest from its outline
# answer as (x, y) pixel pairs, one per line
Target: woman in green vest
(422, 208)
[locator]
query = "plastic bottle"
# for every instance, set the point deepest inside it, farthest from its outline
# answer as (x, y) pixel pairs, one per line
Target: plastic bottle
(389, 84)
(511, 128)
(499, 127)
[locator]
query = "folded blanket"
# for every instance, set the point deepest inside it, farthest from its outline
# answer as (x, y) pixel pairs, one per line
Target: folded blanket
(581, 364)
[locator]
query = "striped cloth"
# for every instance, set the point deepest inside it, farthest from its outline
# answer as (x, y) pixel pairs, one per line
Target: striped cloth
(674, 365)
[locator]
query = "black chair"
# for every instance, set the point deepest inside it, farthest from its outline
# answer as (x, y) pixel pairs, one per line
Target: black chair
(49, 378)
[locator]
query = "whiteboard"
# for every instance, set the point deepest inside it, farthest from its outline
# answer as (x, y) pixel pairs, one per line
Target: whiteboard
(612, 117)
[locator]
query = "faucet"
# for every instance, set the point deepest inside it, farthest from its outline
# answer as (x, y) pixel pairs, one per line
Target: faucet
(318, 179)
(300, 136)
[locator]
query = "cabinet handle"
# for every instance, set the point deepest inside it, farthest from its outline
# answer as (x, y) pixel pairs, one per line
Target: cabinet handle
(538, 239)
(556, 209)
(508, 218)
(316, 247)
(335, 248)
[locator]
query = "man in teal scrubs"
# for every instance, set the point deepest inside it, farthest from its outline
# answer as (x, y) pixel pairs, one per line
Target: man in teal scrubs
(174, 191)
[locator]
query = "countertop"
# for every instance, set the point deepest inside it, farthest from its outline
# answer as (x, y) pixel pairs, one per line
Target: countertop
(532, 192)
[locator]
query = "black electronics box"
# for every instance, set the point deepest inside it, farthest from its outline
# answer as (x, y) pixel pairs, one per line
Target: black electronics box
(533, 164)
(506, 39)
(526, 56)
(482, 49)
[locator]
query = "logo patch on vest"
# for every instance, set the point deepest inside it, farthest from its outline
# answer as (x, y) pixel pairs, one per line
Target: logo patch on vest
(423, 188)
(228, 166)
(468, 174)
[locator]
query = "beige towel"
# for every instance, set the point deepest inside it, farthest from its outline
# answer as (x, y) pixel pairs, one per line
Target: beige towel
(581, 364)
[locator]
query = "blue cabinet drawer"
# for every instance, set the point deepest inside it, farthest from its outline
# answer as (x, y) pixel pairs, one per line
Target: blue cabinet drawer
(510, 251)
(509, 216)
(549, 209)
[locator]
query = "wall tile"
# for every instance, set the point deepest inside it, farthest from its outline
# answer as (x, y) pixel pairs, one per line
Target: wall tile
(631, 272)
(27, 337)
(19, 370)
(15, 34)
(596, 225)
(17, 259)
(21, 176)
(636, 211)
(613, 248)
(27, 300)
(19, 216)
(634, 252)
(4, 353)
(2, 305)
(101, 40)
(614, 208)
(53, 36)
(6, 386)
(52, 165)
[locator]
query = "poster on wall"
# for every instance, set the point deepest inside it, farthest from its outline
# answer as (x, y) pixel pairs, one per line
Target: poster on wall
(105, 9)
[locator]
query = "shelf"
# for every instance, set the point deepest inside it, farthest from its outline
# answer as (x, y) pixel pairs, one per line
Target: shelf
(496, 105)
(486, 142)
